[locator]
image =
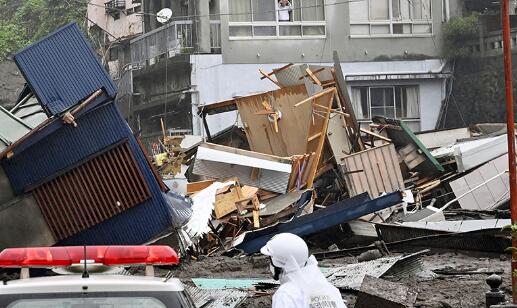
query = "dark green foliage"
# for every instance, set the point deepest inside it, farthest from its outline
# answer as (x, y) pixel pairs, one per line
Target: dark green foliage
(25, 21)
(457, 32)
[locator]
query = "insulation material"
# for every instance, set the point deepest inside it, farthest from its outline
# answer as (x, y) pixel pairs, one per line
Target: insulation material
(375, 171)
(215, 161)
(492, 185)
(202, 207)
(92, 192)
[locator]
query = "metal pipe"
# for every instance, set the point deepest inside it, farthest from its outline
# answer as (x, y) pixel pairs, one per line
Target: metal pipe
(510, 126)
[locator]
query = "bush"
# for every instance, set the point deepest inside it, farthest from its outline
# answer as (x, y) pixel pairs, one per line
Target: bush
(457, 32)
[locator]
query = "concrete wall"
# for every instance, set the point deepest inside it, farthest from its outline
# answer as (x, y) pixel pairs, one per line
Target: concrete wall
(11, 83)
(123, 27)
(213, 81)
(337, 38)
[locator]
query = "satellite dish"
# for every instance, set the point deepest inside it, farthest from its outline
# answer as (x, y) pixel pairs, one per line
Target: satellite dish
(164, 15)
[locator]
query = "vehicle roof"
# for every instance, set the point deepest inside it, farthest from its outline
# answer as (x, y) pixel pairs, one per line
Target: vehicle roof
(95, 283)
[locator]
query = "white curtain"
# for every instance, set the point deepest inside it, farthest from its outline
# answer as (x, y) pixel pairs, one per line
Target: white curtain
(238, 8)
(356, 103)
(379, 10)
(412, 102)
(313, 10)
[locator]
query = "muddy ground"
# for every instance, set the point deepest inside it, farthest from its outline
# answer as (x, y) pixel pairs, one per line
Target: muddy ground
(441, 291)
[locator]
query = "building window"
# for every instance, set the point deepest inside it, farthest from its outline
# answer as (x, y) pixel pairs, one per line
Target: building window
(399, 102)
(268, 19)
(381, 18)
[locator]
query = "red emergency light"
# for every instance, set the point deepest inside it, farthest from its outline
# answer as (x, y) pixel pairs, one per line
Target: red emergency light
(106, 255)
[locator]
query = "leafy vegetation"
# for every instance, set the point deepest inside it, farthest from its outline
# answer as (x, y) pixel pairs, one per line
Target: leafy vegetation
(23, 22)
(457, 32)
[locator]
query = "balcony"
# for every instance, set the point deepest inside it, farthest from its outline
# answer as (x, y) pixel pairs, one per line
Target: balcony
(114, 7)
(173, 38)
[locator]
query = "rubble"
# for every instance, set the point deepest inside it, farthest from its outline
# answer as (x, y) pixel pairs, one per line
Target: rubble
(301, 163)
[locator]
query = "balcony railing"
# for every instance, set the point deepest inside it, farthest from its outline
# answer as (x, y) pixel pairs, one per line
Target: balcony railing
(171, 39)
(175, 37)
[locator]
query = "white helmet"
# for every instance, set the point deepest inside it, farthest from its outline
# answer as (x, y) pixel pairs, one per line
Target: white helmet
(287, 251)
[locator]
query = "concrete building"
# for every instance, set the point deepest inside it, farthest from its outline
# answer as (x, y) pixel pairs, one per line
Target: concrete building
(211, 51)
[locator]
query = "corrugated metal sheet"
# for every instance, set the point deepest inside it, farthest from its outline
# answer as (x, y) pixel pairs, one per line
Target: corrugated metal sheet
(221, 162)
(62, 69)
(11, 128)
(216, 298)
(92, 192)
(31, 112)
(374, 171)
(350, 277)
(66, 147)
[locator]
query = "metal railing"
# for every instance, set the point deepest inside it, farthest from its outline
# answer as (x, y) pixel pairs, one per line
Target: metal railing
(172, 38)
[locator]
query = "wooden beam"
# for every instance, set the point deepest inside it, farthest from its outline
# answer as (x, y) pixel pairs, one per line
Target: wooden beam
(269, 77)
(375, 135)
(315, 72)
(276, 70)
(315, 96)
(313, 77)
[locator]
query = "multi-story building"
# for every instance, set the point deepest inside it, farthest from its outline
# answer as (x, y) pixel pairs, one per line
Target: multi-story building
(211, 50)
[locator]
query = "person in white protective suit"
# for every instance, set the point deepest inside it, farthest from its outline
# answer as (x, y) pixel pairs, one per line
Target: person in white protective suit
(301, 282)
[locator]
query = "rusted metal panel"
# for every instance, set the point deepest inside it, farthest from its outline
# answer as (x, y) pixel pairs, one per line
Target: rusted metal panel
(92, 192)
(375, 171)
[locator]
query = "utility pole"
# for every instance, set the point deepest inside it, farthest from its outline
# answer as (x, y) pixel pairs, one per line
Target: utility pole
(510, 126)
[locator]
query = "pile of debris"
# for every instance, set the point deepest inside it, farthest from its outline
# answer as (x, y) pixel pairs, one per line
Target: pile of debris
(304, 165)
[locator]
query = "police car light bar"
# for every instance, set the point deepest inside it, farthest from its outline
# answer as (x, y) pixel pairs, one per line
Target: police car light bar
(106, 255)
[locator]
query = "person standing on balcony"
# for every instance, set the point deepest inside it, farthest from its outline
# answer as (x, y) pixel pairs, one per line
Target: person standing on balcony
(284, 10)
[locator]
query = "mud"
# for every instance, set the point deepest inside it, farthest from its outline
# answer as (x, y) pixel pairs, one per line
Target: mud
(440, 291)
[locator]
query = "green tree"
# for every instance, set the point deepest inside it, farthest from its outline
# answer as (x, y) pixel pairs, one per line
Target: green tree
(23, 22)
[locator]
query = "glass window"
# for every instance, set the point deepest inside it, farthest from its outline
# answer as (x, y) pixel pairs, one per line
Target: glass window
(263, 10)
(313, 10)
(240, 10)
(379, 9)
(301, 18)
(390, 17)
(421, 9)
(382, 103)
(401, 102)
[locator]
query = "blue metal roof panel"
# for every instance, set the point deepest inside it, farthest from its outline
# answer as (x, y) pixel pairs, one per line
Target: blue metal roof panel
(65, 147)
(340, 212)
(63, 69)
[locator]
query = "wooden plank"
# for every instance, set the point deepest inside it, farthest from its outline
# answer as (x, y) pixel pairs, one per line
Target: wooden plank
(198, 186)
(319, 125)
(313, 77)
(292, 127)
(269, 77)
(375, 135)
(225, 203)
(313, 72)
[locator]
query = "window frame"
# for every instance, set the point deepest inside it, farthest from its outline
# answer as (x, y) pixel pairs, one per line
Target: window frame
(391, 21)
(394, 89)
(277, 24)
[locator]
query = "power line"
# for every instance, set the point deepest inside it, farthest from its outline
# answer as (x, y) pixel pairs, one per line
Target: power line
(223, 14)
